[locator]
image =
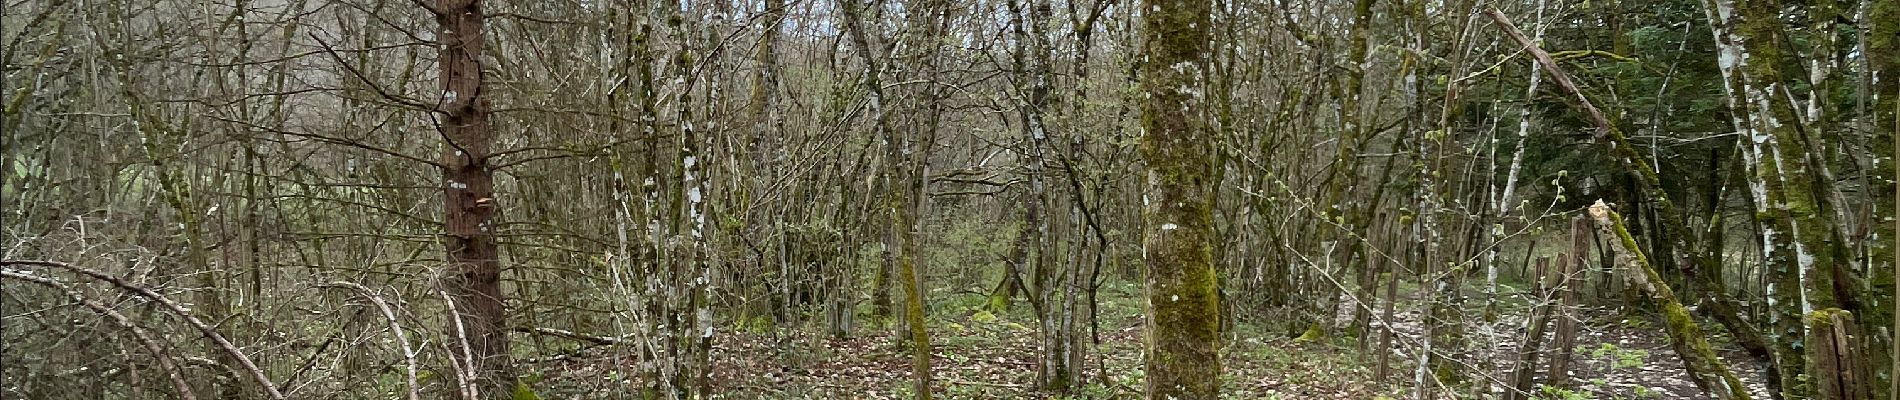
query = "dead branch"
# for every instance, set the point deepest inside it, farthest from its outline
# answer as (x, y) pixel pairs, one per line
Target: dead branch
(164, 360)
(598, 340)
(402, 339)
(464, 364)
(1557, 74)
(257, 374)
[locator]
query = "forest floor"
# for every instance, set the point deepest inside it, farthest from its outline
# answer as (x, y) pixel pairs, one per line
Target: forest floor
(979, 355)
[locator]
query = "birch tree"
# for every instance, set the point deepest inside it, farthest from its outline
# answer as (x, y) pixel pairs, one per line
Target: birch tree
(1791, 185)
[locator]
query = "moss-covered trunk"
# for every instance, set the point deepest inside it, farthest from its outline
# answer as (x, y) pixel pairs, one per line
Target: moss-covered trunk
(1687, 339)
(1182, 360)
(1792, 188)
(1880, 27)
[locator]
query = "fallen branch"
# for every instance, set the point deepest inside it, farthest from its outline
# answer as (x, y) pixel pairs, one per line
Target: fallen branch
(599, 340)
(997, 385)
(1557, 74)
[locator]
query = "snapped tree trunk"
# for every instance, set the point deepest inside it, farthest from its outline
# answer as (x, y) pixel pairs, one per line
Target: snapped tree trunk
(1705, 270)
(1698, 357)
(1836, 366)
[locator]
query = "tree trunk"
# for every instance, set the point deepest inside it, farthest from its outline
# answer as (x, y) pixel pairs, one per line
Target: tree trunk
(1836, 366)
(1183, 360)
(473, 279)
(1880, 29)
(1707, 371)
(1792, 188)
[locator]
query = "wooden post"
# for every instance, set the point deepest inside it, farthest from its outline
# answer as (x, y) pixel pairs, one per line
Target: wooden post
(1570, 267)
(1565, 340)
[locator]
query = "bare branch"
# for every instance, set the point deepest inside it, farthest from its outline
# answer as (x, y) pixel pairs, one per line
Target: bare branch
(402, 339)
(145, 339)
(206, 329)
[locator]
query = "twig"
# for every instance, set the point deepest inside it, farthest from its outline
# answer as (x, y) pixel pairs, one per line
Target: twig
(464, 374)
(998, 385)
(599, 340)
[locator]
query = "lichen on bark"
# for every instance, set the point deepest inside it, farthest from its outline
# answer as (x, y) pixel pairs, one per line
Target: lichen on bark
(1182, 357)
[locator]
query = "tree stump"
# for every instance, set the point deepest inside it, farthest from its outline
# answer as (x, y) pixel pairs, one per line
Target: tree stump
(1836, 367)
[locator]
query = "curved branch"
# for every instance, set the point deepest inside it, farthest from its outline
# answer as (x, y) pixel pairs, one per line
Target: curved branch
(402, 339)
(209, 333)
(164, 360)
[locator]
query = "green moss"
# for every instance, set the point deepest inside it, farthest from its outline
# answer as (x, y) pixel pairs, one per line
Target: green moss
(1313, 334)
(522, 392)
(1825, 317)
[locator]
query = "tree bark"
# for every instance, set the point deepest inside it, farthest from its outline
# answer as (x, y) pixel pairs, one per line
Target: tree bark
(473, 278)
(1880, 27)
(1183, 360)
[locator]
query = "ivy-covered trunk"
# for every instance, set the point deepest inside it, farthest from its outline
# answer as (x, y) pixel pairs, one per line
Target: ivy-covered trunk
(1183, 325)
